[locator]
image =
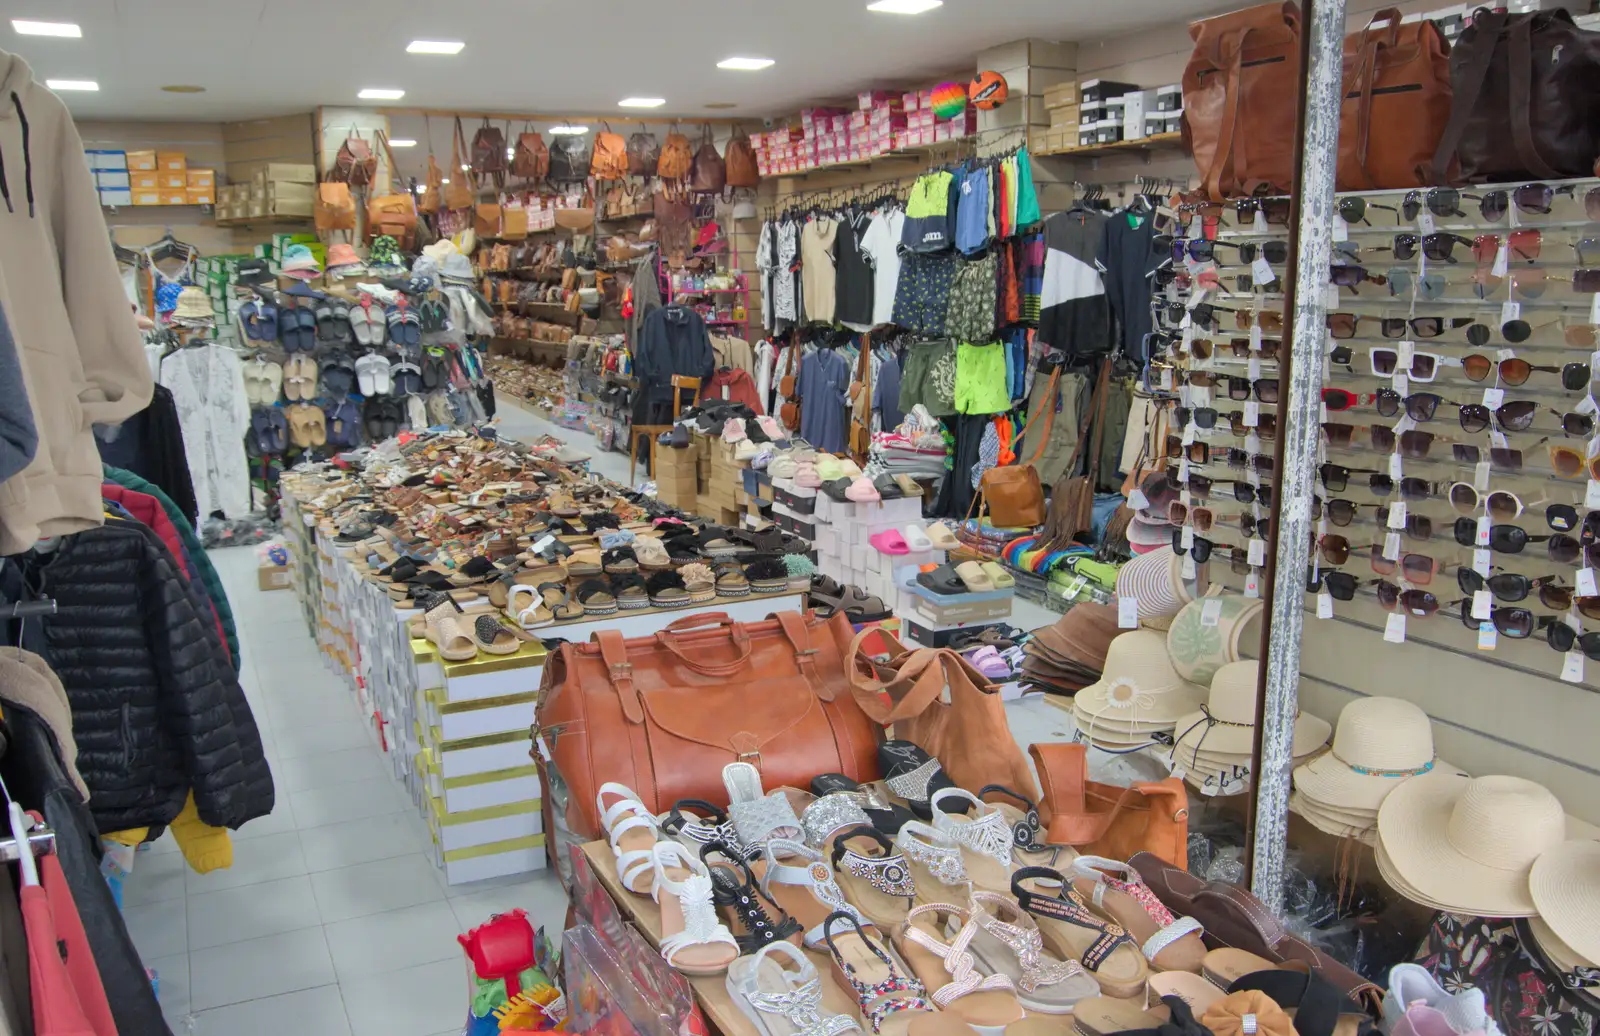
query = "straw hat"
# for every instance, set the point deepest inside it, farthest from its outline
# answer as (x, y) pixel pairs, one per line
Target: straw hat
(1378, 744)
(1559, 953)
(194, 305)
(1340, 825)
(1565, 884)
(1148, 532)
(1227, 722)
(1469, 843)
(1148, 578)
(1139, 685)
(1198, 650)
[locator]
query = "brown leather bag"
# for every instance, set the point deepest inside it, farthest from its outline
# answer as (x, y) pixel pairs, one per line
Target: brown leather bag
(489, 153)
(967, 733)
(355, 164)
(532, 158)
(1527, 99)
(1107, 819)
(610, 160)
(1396, 103)
(741, 161)
(433, 195)
(392, 213)
(1012, 494)
(486, 219)
(459, 192)
(513, 223)
(335, 209)
(1239, 92)
(676, 157)
(709, 173)
(1072, 498)
(644, 154)
(664, 714)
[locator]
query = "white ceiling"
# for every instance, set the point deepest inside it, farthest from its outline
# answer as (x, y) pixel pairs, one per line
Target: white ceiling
(272, 57)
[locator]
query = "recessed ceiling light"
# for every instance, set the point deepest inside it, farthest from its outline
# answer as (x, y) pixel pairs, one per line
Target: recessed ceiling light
(721, 105)
(904, 6)
(72, 84)
(511, 152)
(641, 102)
(434, 47)
(373, 93)
(465, 168)
(401, 142)
(746, 64)
(24, 27)
(568, 131)
(444, 179)
(184, 89)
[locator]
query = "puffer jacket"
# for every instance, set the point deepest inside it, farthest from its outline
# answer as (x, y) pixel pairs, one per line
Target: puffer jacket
(156, 708)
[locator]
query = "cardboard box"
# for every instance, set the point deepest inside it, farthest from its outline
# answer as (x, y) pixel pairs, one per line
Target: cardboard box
(1061, 95)
(142, 161)
(293, 193)
(290, 172)
(146, 197)
(172, 181)
(290, 209)
(272, 577)
(175, 197)
(114, 197)
(171, 162)
(1066, 117)
(201, 195)
(113, 179)
(202, 177)
(144, 181)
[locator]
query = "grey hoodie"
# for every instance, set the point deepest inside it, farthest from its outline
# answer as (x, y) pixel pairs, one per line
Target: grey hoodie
(82, 358)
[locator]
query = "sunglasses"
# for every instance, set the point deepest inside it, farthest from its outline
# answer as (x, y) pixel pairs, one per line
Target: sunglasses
(1514, 587)
(1522, 244)
(1203, 417)
(1567, 462)
(1516, 416)
(1267, 319)
(1203, 315)
(1586, 282)
(1515, 623)
(1336, 477)
(1562, 637)
(1200, 548)
(1418, 602)
(1276, 210)
(1272, 251)
(1412, 444)
(1534, 198)
(1336, 399)
(1344, 325)
(1515, 372)
(1500, 505)
(1424, 366)
(1347, 276)
(1196, 452)
(1417, 526)
(1413, 568)
(1339, 512)
(1430, 286)
(1341, 586)
(1441, 201)
(1265, 389)
(1354, 210)
(1438, 247)
(1513, 539)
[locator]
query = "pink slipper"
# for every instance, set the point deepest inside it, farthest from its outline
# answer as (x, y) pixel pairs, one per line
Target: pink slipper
(862, 491)
(805, 475)
(770, 425)
(889, 541)
(988, 662)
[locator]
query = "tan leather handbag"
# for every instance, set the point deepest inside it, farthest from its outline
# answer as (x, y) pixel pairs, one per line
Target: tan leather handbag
(967, 733)
(1107, 819)
(676, 157)
(459, 192)
(1396, 103)
(513, 222)
(392, 213)
(664, 714)
(486, 219)
(1012, 494)
(335, 209)
(740, 159)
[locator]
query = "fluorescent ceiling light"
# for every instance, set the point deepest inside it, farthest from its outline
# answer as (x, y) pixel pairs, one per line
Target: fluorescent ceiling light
(401, 142)
(24, 27)
(641, 102)
(568, 131)
(72, 84)
(904, 6)
(373, 93)
(746, 64)
(434, 47)
(465, 168)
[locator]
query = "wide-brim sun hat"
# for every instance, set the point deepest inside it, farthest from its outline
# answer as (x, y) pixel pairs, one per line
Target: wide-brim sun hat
(1468, 844)
(1113, 728)
(1198, 650)
(1226, 723)
(1338, 824)
(1147, 532)
(1378, 744)
(1565, 886)
(1139, 684)
(1562, 956)
(1148, 579)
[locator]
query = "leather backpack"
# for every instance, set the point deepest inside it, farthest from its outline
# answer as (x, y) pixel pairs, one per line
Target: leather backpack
(489, 153)
(610, 161)
(644, 154)
(676, 157)
(395, 212)
(355, 164)
(532, 158)
(1012, 494)
(740, 160)
(335, 209)
(1107, 819)
(1396, 103)
(1527, 99)
(433, 193)
(569, 158)
(1239, 91)
(709, 173)
(664, 714)
(459, 192)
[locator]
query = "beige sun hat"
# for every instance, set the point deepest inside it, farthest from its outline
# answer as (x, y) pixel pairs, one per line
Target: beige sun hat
(1565, 884)
(1226, 723)
(1338, 824)
(1378, 744)
(1139, 684)
(1469, 843)
(1151, 579)
(1559, 953)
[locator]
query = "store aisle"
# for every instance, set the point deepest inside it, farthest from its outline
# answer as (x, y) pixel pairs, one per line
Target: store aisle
(517, 423)
(332, 920)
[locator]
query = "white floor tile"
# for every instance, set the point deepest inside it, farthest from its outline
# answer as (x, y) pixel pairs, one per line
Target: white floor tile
(319, 1011)
(362, 841)
(160, 929)
(541, 896)
(393, 941)
(415, 1002)
(281, 819)
(172, 974)
(372, 888)
(259, 968)
(268, 859)
(348, 802)
(235, 915)
(329, 770)
(157, 876)
(329, 737)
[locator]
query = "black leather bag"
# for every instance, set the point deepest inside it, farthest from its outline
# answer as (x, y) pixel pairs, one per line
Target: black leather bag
(570, 157)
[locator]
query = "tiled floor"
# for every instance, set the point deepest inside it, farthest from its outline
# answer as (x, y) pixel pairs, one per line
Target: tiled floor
(332, 920)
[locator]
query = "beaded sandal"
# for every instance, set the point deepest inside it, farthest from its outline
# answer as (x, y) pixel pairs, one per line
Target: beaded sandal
(1169, 943)
(912, 774)
(734, 890)
(881, 884)
(889, 1000)
(1008, 942)
(935, 859)
(780, 1001)
(692, 939)
(1073, 931)
(984, 1002)
(757, 815)
(800, 880)
(985, 842)
(693, 832)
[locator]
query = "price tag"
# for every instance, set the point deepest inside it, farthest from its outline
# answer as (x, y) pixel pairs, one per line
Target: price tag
(1505, 354)
(1405, 352)
(1394, 467)
(1497, 439)
(1341, 229)
(542, 543)
(1425, 224)
(1488, 637)
(1258, 225)
(1322, 527)
(1252, 584)
(1137, 501)
(1592, 448)
(1572, 667)
(1330, 296)
(725, 392)
(1401, 384)
(1404, 425)
(1261, 272)
(1502, 260)
(1391, 546)
(1493, 397)
(1183, 470)
(1587, 405)
(1480, 538)
(1187, 569)
(1480, 476)
(1510, 311)
(1187, 326)
(1257, 552)
(1211, 611)
(1255, 338)
(1252, 442)
(1586, 585)
(1252, 414)
(1594, 309)
(1254, 368)
(1190, 433)
(1482, 603)
(1202, 395)
(1128, 613)
(1166, 379)
(1186, 537)
(1480, 563)
(1184, 496)
(1324, 605)
(1322, 413)
(1591, 495)
(1394, 629)
(1397, 515)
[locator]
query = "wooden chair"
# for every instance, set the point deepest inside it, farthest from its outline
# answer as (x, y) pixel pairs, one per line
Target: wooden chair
(650, 431)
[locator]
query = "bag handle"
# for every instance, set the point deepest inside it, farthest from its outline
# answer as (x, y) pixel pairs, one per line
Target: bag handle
(1521, 100)
(1049, 409)
(463, 168)
(909, 693)
(1474, 66)
(736, 632)
(703, 619)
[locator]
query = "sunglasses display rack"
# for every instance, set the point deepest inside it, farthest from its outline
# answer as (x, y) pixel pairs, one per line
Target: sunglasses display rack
(1459, 465)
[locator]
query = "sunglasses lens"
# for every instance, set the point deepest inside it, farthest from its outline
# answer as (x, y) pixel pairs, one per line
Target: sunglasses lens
(1586, 282)
(1388, 402)
(1382, 485)
(1478, 334)
(1561, 517)
(1384, 361)
(1342, 325)
(1560, 636)
(1414, 489)
(1558, 597)
(1515, 372)
(1427, 327)
(1508, 539)
(1422, 406)
(1267, 389)
(1474, 417)
(1505, 460)
(1503, 507)
(1341, 512)
(1525, 244)
(1352, 210)
(1388, 595)
(1335, 549)
(1477, 367)
(1534, 197)
(1465, 531)
(1516, 623)
(1392, 327)
(1516, 331)
(1341, 585)
(1575, 376)
(1417, 569)
(1382, 439)
(1517, 416)
(1464, 498)
(1414, 445)
(1411, 205)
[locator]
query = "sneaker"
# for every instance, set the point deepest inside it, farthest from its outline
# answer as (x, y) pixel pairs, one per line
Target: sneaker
(828, 467)
(745, 450)
(1417, 1005)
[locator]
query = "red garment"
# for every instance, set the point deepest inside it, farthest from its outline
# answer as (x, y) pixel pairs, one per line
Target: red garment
(68, 997)
(734, 385)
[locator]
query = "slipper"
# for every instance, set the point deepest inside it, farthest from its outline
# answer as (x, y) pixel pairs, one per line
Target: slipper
(889, 541)
(324, 317)
(942, 580)
(887, 487)
(560, 603)
(916, 538)
(862, 491)
(494, 638)
(596, 598)
(525, 606)
(908, 485)
(975, 577)
(988, 662)
(943, 537)
(361, 325)
(1001, 579)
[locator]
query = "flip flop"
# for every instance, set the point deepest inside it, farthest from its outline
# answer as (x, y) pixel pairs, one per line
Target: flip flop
(889, 541)
(942, 580)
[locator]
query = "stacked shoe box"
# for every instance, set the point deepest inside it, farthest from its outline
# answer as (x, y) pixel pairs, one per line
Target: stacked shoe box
(844, 548)
(794, 508)
(724, 482)
(933, 619)
(677, 474)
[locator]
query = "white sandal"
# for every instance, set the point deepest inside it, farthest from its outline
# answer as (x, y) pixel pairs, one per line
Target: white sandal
(783, 1001)
(633, 851)
(758, 815)
(924, 847)
(690, 931)
(987, 841)
(813, 875)
(534, 615)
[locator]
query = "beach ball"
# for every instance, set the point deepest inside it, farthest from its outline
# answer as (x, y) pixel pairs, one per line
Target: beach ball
(988, 90)
(949, 100)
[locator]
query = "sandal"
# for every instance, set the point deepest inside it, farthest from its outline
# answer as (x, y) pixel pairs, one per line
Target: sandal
(986, 1003)
(857, 605)
(1116, 890)
(985, 841)
(1025, 824)
(912, 774)
(633, 834)
(667, 590)
(493, 638)
(758, 815)
(595, 596)
(934, 860)
(783, 1001)
(530, 615)
(692, 939)
(619, 561)
(942, 580)
(699, 582)
(734, 890)
(997, 574)
(975, 579)
(1316, 1005)
(1109, 1016)
(1007, 942)
(804, 886)
(875, 809)
(879, 884)
(943, 537)
(732, 583)
(695, 833)
(447, 630)
(628, 589)
(1074, 931)
(893, 1004)
(560, 603)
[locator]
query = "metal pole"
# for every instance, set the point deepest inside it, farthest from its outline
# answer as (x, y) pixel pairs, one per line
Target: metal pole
(1300, 368)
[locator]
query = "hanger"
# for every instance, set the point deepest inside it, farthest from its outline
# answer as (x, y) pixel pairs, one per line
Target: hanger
(125, 256)
(27, 841)
(169, 247)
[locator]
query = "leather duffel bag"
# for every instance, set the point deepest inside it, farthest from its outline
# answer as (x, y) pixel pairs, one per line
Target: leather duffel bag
(664, 714)
(1396, 103)
(1239, 91)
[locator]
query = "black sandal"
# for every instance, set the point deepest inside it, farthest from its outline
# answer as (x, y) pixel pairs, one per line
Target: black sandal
(686, 827)
(1316, 1004)
(744, 900)
(914, 775)
(1024, 828)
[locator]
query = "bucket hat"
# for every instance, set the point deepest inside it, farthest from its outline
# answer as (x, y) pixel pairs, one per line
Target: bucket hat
(1139, 684)
(457, 269)
(298, 262)
(193, 306)
(1378, 744)
(343, 260)
(1565, 885)
(1198, 650)
(1148, 532)
(1226, 723)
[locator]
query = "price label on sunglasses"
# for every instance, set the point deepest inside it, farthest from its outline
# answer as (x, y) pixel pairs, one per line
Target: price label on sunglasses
(1425, 224)
(1391, 546)
(1261, 272)
(1395, 471)
(1257, 552)
(1591, 449)
(1211, 611)
(1186, 537)
(1488, 637)
(1480, 537)
(1572, 667)
(1401, 384)
(1187, 569)
(1482, 604)
(1252, 584)
(1324, 604)
(1594, 309)
(1480, 476)
(1258, 225)
(1189, 433)
(1404, 352)
(1505, 354)
(1341, 229)
(1591, 495)
(1502, 260)
(1183, 470)
(1480, 562)
(1497, 439)
(1493, 397)
(1510, 311)
(1254, 368)
(1252, 414)
(1394, 628)
(1166, 379)
(1586, 405)
(1128, 613)
(1585, 581)
(1255, 339)
(1330, 296)
(1397, 515)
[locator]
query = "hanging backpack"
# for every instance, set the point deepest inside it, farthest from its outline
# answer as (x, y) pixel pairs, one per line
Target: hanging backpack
(610, 161)
(355, 164)
(710, 173)
(433, 194)
(460, 190)
(644, 154)
(489, 153)
(335, 209)
(741, 161)
(532, 158)
(676, 157)
(569, 158)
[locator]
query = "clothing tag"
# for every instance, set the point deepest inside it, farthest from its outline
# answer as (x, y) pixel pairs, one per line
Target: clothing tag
(1493, 397)
(1137, 501)
(1202, 395)
(1480, 476)
(1480, 562)
(1510, 311)
(1513, 218)
(1252, 442)
(1258, 225)
(543, 542)
(1497, 439)
(1187, 324)
(1186, 537)
(1183, 470)
(725, 392)
(1261, 271)
(1394, 467)
(1257, 551)
(1502, 260)
(1252, 584)
(1397, 515)
(1585, 581)
(1394, 630)
(1211, 611)
(1255, 339)
(1330, 296)
(1341, 229)
(1172, 291)
(1128, 613)
(1322, 527)
(1254, 368)
(1591, 495)
(1252, 414)
(1401, 384)
(1572, 667)
(1586, 405)
(1185, 497)
(1592, 449)
(1166, 379)
(1482, 603)
(1190, 433)
(1391, 546)
(1404, 425)
(1480, 538)
(1425, 224)
(1488, 636)
(1187, 569)
(1324, 605)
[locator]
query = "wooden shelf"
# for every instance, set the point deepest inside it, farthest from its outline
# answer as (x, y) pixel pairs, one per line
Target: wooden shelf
(1159, 142)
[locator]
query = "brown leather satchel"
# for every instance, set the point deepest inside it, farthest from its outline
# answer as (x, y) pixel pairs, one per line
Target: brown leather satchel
(1396, 103)
(489, 153)
(610, 160)
(355, 164)
(532, 158)
(459, 191)
(967, 733)
(1239, 92)
(709, 173)
(1107, 819)
(664, 714)
(1527, 99)
(741, 161)
(486, 219)
(392, 213)
(1012, 494)
(335, 209)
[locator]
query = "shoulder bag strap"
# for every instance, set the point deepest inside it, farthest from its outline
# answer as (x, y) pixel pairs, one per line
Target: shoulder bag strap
(1049, 408)
(1095, 448)
(614, 654)
(918, 682)
(1230, 53)
(1479, 53)
(1521, 99)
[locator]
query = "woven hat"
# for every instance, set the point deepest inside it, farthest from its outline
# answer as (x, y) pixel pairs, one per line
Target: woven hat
(1560, 954)
(1378, 744)
(1565, 884)
(1139, 684)
(1227, 721)
(1198, 650)
(194, 305)
(1340, 825)
(1468, 843)
(1149, 532)
(1108, 727)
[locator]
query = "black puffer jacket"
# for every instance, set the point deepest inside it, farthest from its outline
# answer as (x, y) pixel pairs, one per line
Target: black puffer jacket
(156, 708)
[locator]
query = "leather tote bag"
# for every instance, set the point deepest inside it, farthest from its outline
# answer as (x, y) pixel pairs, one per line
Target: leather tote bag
(935, 698)
(459, 191)
(1107, 819)
(740, 161)
(335, 209)
(644, 153)
(710, 173)
(1396, 103)
(569, 158)
(664, 714)
(1239, 92)
(392, 213)
(1527, 99)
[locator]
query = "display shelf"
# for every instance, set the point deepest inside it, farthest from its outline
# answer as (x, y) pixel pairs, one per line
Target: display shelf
(1159, 142)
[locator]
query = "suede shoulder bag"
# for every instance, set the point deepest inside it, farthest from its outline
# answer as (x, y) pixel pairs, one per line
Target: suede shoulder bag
(1107, 819)
(460, 191)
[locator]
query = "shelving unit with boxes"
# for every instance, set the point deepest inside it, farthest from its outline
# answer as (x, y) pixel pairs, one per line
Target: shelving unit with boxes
(149, 178)
(1100, 115)
(277, 190)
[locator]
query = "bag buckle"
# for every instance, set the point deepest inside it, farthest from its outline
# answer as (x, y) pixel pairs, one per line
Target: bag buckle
(753, 758)
(620, 670)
